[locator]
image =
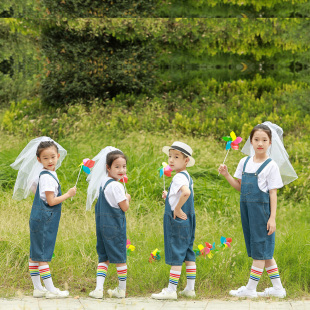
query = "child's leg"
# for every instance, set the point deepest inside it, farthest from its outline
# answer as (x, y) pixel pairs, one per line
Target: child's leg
(273, 273)
(102, 270)
(190, 275)
(175, 273)
(256, 273)
(122, 275)
(46, 276)
(35, 275)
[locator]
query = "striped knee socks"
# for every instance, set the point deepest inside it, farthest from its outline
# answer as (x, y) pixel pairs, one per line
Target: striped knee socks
(255, 276)
(47, 278)
(173, 280)
(122, 277)
(102, 270)
(274, 276)
(191, 277)
(35, 276)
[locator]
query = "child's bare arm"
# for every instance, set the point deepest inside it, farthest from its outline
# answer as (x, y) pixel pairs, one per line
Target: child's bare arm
(235, 183)
(271, 224)
(124, 205)
(178, 212)
(52, 201)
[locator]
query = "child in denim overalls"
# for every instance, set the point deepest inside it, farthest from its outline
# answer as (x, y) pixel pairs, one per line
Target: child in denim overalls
(45, 217)
(110, 210)
(179, 222)
(258, 179)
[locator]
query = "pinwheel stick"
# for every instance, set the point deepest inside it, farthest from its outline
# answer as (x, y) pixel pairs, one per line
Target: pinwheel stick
(78, 176)
(124, 185)
(225, 159)
(164, 181)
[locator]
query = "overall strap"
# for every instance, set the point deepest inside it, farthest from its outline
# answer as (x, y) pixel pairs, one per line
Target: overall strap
(246, 161)
(266, 162)
(107, 183)
(189, 178)
(46, 172)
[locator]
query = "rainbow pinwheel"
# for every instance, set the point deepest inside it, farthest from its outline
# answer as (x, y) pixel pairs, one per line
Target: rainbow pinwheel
(164, 170)
(232, 143)
(85, 165)
(225, 242)
(129, 247)
(154, 256)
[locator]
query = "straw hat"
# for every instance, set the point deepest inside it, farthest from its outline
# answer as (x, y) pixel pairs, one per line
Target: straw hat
(183, 148)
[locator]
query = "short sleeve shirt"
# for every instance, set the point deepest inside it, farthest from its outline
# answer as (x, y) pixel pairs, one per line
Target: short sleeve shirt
(269, 178)
(178, 181)
(48, 184)
(114, 193)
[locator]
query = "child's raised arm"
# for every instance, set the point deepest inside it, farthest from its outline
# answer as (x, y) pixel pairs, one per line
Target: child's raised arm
(235, 183)
(52, 201)
(124, 205)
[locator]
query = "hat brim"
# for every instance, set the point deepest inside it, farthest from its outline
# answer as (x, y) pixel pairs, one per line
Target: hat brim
(191, 159)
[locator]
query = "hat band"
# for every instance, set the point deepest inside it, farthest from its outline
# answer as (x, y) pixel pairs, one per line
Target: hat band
(181, 150)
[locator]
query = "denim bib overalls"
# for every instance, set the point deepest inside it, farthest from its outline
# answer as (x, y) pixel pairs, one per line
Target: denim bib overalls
(179, 235)
(110, 230)
(255, 213)
(43, 223)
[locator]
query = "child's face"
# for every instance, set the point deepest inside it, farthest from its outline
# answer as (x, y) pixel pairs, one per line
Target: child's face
(177, 161)
(48, 158)
(260, 142)
(118, 169)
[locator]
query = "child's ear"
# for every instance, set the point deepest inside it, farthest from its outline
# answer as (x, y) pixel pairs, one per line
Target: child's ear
(38, 158)
(58, 155)
(187, 160)
(108, 168)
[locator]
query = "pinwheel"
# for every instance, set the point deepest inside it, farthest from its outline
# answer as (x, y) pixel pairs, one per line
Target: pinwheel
(225, 242)
(165, 169)
(154, 256)
(86, 165)
(124, 180)
(206, 251)
(232, 143)
(129, 247)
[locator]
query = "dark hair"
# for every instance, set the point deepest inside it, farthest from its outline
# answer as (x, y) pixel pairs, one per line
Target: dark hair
(114, 155)
(262, 127)
(44, 145)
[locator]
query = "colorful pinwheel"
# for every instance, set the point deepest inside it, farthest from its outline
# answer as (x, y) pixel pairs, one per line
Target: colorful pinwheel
(225, 242)
(86, 165)
(154, 256)
(232, 143)
(164, 170)
(129, 247)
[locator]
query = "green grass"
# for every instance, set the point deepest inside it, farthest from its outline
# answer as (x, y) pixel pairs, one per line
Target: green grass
(217, 212)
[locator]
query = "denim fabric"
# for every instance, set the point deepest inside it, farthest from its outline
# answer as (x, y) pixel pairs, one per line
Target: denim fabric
(179, 235)
(255, 213)
(43, 223)
(110, 230)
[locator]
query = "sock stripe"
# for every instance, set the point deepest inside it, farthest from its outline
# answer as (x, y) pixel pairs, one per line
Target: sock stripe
(34, 270)
(255, 274)
(102, 271)
(122, 274)
(174, 278)
(45, 273)
(273, 273)
(191, 273)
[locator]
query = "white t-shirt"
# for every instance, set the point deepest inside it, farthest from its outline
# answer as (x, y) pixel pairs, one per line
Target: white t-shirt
(178, 181)
(47, 184)
(269, 178)
(114, 193)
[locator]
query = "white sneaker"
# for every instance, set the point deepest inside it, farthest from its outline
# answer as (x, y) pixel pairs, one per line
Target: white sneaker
(96, 294)
(117, 292)
(271, 291)
(165, 294)
(243, 292)
(57, 294)
(187, 293)
(39, 293)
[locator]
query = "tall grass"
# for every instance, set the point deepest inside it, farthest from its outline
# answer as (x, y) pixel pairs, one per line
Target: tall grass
(217, 211)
